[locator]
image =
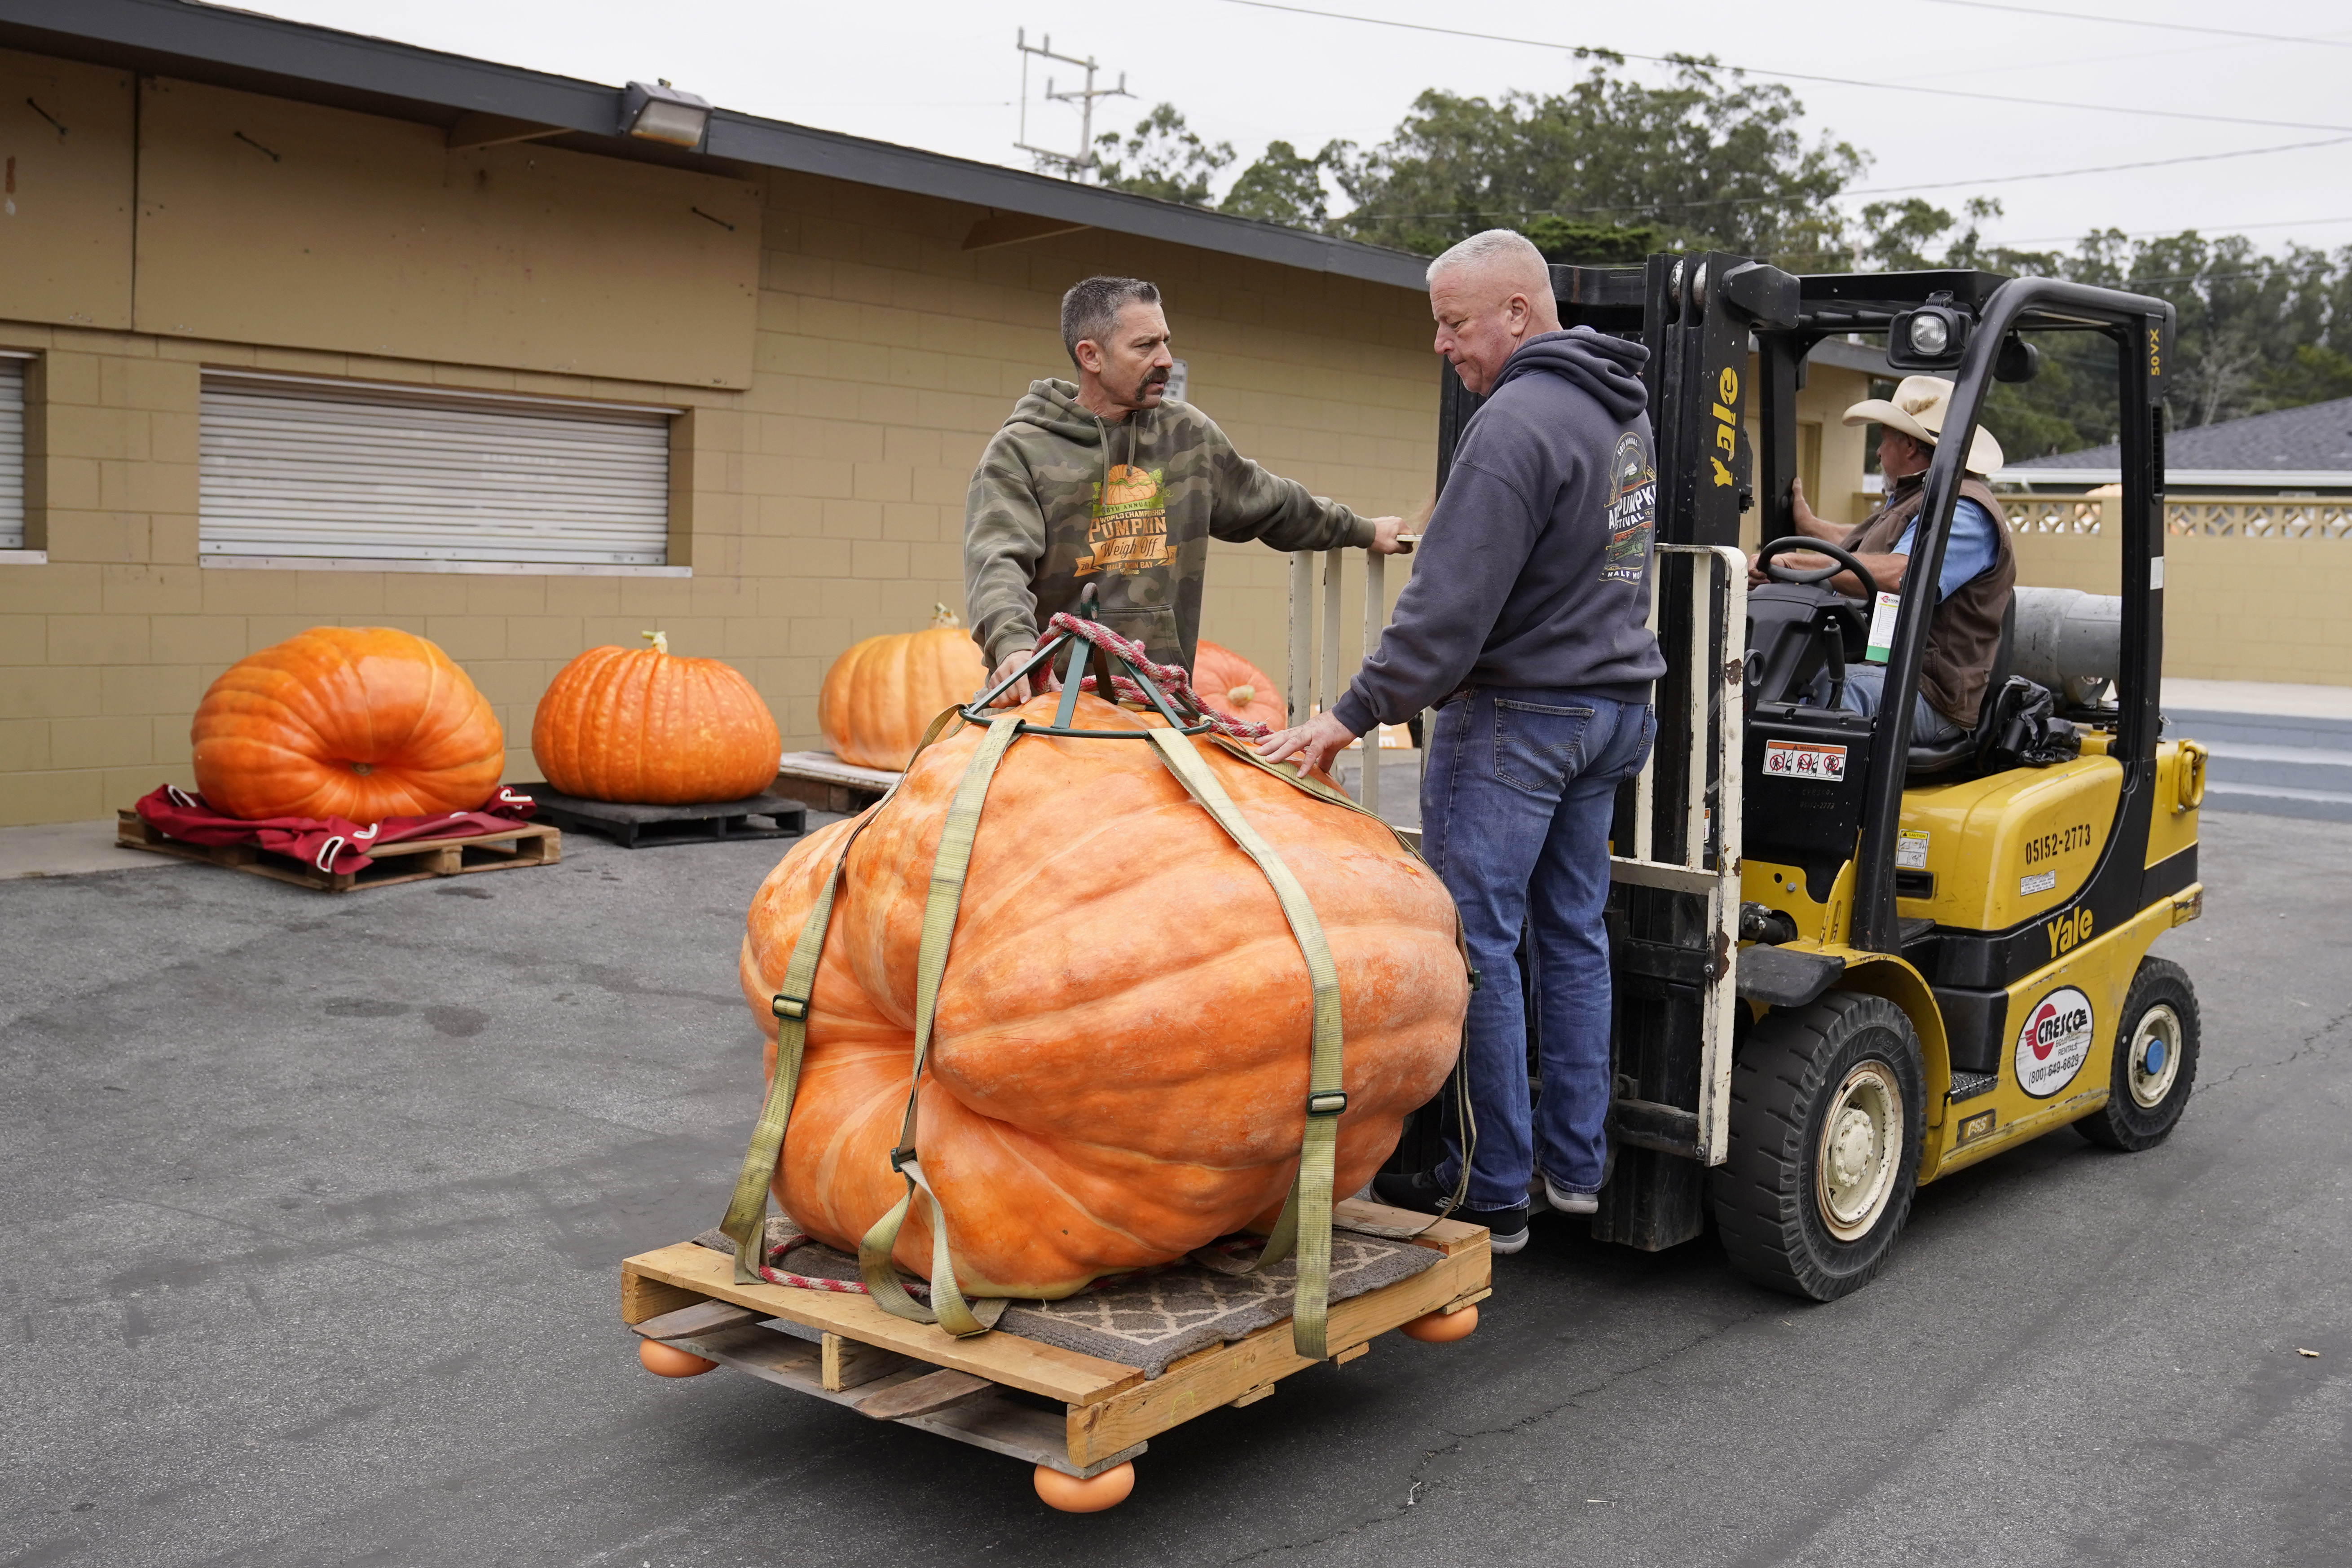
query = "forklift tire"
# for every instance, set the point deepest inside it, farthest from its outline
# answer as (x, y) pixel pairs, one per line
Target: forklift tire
(2156, 1061)
(1828, 1111)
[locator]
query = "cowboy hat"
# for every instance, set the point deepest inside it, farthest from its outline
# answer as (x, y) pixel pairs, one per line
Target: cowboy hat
(1920, 405)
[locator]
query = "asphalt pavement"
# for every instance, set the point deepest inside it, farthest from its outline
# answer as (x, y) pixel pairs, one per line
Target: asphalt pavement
(312, 1209)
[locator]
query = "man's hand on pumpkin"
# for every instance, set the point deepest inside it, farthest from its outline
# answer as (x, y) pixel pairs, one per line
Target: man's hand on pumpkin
(1315, 742)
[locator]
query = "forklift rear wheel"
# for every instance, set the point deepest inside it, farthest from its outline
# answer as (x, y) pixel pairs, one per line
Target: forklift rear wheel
(1828, 1106)
(2156, 1061)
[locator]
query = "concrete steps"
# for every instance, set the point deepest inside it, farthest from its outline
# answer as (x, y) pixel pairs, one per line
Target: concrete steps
(2281, 765)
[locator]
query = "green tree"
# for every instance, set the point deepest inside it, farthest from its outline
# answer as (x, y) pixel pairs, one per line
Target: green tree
(1708, 159)
(1285, 189)
(1162, 158)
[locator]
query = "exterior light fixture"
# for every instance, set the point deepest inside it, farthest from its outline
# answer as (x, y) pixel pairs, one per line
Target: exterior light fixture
(1929, 338)
(660, 112)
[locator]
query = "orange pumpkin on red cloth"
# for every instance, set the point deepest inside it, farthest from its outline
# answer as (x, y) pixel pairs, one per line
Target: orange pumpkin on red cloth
(359, 722)
(1232, 684)
(1120, 1054)
(880, 696)
(646, 726)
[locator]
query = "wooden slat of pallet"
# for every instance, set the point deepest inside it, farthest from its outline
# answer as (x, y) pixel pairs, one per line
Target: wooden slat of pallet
(1447, 1236)
(849, 1363)
(704, 1317)
(988, 1420)
(1049, 1370)
(527, 844)
(1200, 1383)
(922, 1395)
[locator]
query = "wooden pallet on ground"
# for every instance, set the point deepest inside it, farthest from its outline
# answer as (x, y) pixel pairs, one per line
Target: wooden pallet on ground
(997, 1390)
(643, 827)
(828, 783)
(525, 844)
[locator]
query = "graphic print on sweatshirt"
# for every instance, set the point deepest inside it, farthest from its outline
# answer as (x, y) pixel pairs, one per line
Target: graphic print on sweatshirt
(1633, 510)
(1128, 528)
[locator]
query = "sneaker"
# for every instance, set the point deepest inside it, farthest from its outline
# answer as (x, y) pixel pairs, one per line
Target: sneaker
(1567, 1200)
(1418, 1192)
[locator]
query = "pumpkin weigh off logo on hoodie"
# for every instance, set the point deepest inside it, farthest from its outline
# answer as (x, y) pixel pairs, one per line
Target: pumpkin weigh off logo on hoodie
(1633, 511)
(1128, 530)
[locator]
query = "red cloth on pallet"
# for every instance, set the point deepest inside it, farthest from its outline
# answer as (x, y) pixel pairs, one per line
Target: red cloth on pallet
(331, 844)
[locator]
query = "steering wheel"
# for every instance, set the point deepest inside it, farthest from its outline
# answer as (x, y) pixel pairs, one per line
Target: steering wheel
(1842, 560)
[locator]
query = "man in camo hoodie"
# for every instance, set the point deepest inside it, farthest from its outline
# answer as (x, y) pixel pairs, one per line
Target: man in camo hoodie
(1108, 483)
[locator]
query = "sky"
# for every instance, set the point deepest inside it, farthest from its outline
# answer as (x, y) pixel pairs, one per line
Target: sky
(2090, 82)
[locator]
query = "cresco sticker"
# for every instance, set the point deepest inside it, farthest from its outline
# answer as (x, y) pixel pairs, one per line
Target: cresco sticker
(2052, 1047)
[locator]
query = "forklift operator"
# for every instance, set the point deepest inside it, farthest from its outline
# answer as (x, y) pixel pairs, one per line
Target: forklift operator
(1972, 592)
(1525, 627)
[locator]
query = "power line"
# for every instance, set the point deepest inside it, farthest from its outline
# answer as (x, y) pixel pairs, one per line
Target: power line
(2138, 22)
(1913, 88)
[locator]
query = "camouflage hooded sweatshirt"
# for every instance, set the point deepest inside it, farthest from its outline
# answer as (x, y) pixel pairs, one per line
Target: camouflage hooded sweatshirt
(1062, 498)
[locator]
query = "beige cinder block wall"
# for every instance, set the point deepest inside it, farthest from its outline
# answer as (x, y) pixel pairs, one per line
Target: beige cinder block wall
(819, 503)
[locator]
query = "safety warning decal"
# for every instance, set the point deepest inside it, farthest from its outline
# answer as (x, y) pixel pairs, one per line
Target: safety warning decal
(2052, 1047)
(1789, 759)
(1911, 849)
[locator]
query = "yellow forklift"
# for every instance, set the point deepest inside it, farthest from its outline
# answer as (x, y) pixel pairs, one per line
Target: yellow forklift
(1847, 964)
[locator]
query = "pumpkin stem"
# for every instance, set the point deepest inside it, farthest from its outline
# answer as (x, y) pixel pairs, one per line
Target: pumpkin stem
(659, 639)
(943, 617)
(1242, 696)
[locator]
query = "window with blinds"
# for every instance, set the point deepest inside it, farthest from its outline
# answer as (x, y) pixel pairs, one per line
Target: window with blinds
(12, 452)
(303, 472)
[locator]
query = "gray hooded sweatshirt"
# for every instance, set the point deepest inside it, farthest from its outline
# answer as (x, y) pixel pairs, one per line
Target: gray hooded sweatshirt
(1534, 569)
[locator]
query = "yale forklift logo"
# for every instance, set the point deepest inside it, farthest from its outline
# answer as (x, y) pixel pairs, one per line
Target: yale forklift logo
(2052, 1047)
(1727, 424)
(2068, 931)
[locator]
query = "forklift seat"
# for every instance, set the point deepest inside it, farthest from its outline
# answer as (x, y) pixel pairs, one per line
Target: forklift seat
(1964, 756)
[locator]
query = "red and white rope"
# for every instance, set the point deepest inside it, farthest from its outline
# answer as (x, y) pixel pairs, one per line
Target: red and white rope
(1174, 683)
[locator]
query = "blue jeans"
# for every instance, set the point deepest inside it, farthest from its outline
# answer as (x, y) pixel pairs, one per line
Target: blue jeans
(1514, 810)
(1866, 690)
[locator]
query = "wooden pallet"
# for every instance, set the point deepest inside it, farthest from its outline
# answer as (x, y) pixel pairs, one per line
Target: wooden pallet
(644, 826)
(845, 1349)
(525, 844)
(828, 783)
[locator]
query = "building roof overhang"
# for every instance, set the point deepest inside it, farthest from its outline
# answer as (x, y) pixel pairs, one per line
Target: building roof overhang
(241, 50)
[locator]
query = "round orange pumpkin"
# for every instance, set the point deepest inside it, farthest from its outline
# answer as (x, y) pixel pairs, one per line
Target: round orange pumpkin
(880, 696)
(1232, 684)
(361, 722)
(646, 726)
(1119, 1066)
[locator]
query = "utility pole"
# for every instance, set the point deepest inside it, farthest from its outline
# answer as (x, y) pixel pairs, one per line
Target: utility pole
(1078, 167)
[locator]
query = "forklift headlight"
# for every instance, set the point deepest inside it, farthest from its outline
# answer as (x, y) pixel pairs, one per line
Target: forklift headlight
(1929, 335)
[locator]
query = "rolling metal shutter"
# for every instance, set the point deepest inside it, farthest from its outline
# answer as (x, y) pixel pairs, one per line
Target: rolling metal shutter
(12, 453)
(305, 472)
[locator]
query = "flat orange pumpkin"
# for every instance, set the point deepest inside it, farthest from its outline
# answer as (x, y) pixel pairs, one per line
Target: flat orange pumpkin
(361, 722)
(1225, 680)
(646, 726)
(880, 696)
(1120, 1058)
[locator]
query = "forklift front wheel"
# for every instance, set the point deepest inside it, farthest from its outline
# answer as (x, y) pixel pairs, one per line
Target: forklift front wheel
(2155, 1064)
(1827, 1108)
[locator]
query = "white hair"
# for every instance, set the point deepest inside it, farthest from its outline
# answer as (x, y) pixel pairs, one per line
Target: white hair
(1508, 248)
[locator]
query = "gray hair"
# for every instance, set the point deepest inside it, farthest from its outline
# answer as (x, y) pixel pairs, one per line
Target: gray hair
(1090, 310)
(1505, 246)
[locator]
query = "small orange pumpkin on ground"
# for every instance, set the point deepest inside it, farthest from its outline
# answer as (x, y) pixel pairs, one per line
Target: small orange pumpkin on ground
(359, 722)
(669, 1361)
(880, 696)
(646, 726)
(1225, 680)
(1092, 1495)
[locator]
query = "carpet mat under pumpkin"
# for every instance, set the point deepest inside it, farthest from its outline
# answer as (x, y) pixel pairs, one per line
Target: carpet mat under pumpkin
(1154, 1318)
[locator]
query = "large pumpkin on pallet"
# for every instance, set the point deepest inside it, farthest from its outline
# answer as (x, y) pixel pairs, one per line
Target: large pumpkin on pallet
(880, 696)
(646, 726)
(1119, 1062)
(359, 722)
(1225, 680)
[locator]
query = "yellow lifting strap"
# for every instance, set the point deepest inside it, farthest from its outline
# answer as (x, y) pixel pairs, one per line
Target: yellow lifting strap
(949, 866)
(746, 1224)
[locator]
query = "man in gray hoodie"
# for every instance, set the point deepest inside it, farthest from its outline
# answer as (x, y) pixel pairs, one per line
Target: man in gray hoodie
(1524, 626)
(1107, 483)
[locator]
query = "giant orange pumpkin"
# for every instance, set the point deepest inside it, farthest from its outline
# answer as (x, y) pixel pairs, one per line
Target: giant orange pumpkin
(1118, 1067)
(646, 726)
(361, 722)
(880, 696)
(1225, 680)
